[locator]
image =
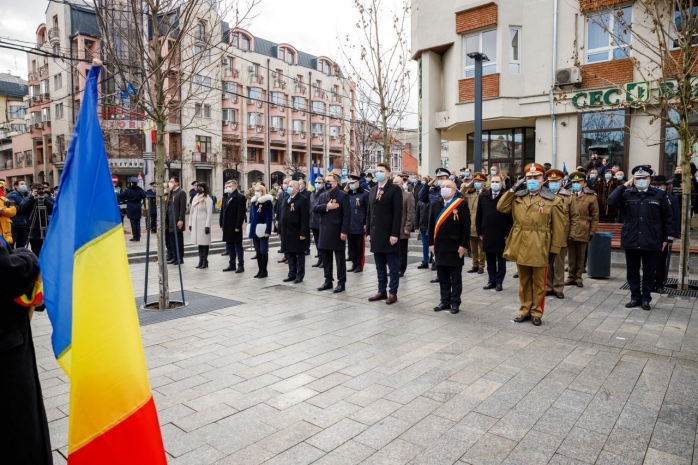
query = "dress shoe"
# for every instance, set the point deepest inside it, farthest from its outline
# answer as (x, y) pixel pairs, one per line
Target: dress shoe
(646, 306)
(473, 270)
(224, 254)
(280, 251)
(560, 295)
(536, 321)
(480, 270)
(325, 286)
(358, 269)
(455, 309)
(548, 293)
(133, 239)
(402, 274)
(254, 257)
(498, 288)
(297, 281)
(283, 260)
(489, 286)
(433, 266)
(391, 299)
(352, 269)
(522, 318)
(423, 266)
(317, 265)
(288, 280)
(442, 307)
(516, 276)
(633, 304)
(580, 285)
(241, 269)
(570, 282)
(230, 268)
(339, 288)
(377, 297)
(435, 280)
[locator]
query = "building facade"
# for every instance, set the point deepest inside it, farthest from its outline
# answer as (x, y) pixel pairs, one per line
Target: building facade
(12, 92)
(545, 98)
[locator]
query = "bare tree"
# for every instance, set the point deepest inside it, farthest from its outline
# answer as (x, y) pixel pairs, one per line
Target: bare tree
(659, 39)
(378, 62)
(162, 62)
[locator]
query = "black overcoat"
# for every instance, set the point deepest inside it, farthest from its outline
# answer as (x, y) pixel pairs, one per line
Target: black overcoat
(294, 223)
(384, 217)
(176, 209)
(492, 225)
(23, 430)
(133, 196)
(333, 222)
(233, 216)
(648, 219)
(453, 233)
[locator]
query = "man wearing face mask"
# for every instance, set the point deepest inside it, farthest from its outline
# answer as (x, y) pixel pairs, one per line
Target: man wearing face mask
(494, 171)
(20, 227)
(383, 225)
(587, 221)
(535, 240)
(407, 222)
(233, 215)
(648, 228)
(449, 232)
(493, 228)
(471, 193)
(315, 217)
(660, 182)
(605, 185)
(305, 193)
(592, 178)
(556, 272)
(175, 216)
(421, 221)
(281, 198)
(358, 199)
(335, 213)
(295, 227)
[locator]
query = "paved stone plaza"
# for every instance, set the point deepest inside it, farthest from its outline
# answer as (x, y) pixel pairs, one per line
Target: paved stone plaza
(294, 376)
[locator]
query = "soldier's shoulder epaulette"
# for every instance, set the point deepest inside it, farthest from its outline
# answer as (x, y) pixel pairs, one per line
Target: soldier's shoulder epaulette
(589, 191)
(547, 194)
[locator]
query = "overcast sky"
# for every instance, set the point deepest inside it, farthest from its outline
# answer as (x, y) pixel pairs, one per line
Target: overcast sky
(312, 26)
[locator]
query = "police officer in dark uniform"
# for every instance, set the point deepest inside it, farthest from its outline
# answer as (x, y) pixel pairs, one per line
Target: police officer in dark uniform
(335, 217)
(358, 199)
(647, 230)
(134, 196)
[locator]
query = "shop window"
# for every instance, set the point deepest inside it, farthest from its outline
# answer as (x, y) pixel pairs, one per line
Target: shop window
(606, 133)
(671, 142)
(604, 45)
(485, 42)
(510, 149)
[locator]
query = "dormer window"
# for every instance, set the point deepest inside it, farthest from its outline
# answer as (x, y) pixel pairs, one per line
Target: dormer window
(245, 41)
(290, 57)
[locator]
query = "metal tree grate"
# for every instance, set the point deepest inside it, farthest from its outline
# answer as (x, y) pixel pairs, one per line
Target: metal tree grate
(197, 304)
(671, 291)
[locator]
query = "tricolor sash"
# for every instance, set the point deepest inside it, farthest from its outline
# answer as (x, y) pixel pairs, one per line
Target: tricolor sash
(444, 214)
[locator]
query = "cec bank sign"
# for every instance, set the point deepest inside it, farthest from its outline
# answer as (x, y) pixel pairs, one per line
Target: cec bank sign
(634, 93)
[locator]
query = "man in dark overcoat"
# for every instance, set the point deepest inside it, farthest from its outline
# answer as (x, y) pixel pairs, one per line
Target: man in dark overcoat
(449, 233)
(358, 199)
(305, 193)
(315, 217)
(133, 196)
(295, 227)
(24, 430)
(335, 218)
(493, 228)
(151, 196)
(383, 231)
(175, 217)
(233, 215)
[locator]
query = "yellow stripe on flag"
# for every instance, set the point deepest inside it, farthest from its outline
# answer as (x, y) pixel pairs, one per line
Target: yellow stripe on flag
(109, 378)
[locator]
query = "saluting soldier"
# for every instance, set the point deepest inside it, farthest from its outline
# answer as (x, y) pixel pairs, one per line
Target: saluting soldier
(471, 192)
(587, 222)
(449, 233)
(536, 238)
(556, 272)
(294, 223)
(648, 228)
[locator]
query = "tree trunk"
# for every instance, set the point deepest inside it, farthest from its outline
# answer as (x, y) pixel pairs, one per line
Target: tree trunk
(163, 279)
(685, 220)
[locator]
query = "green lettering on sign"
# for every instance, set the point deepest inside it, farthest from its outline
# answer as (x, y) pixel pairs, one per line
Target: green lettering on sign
(595, 98)
(607, 97)
(575, 100)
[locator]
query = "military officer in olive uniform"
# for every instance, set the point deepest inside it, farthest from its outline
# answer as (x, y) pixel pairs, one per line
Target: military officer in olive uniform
(556, 272)
(536, 238)
(648, 228)
(587, 222)
(471, 192)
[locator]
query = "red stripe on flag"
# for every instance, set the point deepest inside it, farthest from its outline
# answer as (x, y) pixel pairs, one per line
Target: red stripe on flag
(136, 440)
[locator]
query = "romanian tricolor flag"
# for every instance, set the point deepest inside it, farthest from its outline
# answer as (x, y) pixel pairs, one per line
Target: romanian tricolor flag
(89, 299)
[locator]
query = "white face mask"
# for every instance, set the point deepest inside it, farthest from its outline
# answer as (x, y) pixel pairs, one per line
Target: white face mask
(446, 192)
(257, 193)
(228, 190)
(171, 185)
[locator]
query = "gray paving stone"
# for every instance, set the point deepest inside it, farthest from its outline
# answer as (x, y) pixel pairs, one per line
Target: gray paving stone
(416, 410)
(535, 448)
(656, 457)
(254, 454)
(427, 430)
(331, 396)
(302, 454)
(673, 440)
(291, 398)
(489, 449)
(204, 454)
(204, 417)
(397, 452)
(337, 434)
(583, 445)
(370, 394)
(375, 412)
(349, 453)
(383, 432)
(572, 400)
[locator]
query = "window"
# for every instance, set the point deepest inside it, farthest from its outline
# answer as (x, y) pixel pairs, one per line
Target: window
(201, 31)
(235, 40)
(298, 103)
(230, 114)
(277, 99)
(202, 53)
(317, 128)
(510, 149)
(334, 131)
(230, 87)
(16, 112)
(245, 43)
(684, 18)
(202, 111)
(671, 144)
(18, 127)
(34, 91)
(484, 42)
(203, 144)
(335, 111)
(46, 114)
(59, 110)
(607, 133)
(197, 110)
(58, 81)
(207, 111)
(602, 45)
(328, 69)
(277, 122)
(44, 86)
(255, 119)
(254, 93)
(290, 57)
(515, 50)
(282, 54)
(202, 82)
(298, 125)
(318, 108)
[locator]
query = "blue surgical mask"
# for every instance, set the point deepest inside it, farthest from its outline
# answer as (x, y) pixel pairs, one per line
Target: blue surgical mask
(478, 186)
(439, 182)
(452, 177)
(289, 190)
(23, 188)
(608, 176)
(467, 174)
(592, 176)
(462, 173)
(641, 184)
(533, 184)
(424, 182)
(380, 176)
(576, 187)
(620, 178)
(352, 186)
(495, 186)
(318, 185)
(554, 186)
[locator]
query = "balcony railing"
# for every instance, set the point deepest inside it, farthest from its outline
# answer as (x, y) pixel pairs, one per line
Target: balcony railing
(54, 35)
(258, 78)
(201, 157)
(8, 165)
(43, 71)
(300, 89)
(33, 75)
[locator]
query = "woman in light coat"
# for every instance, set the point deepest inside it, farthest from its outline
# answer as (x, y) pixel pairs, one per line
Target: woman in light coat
(200, 222)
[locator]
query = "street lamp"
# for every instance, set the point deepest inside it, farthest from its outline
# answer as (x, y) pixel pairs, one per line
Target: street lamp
(479, 58)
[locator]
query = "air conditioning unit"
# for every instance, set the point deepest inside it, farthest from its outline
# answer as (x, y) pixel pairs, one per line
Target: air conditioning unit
(568, 76)
(250, 68)
(274, 74)
(37, 125)
(35, 97)
(45, 95)
(333, 137)
(314, 134)
(249, 101)
(226, 96)
(274, 129)
(224, 61)
(295, 133)
(225, 122)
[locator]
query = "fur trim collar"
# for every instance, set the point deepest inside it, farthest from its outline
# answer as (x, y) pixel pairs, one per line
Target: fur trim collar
(262, 199)
(564, 192)
(546, 193)
(586, 190)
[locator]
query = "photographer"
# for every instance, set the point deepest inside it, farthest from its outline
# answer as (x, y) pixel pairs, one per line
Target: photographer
(40, 204)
